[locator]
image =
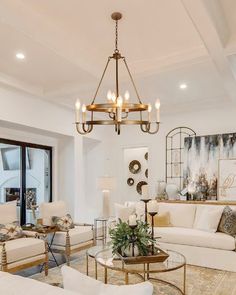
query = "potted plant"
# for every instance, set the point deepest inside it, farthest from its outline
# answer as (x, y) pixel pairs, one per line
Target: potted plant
(123, 238)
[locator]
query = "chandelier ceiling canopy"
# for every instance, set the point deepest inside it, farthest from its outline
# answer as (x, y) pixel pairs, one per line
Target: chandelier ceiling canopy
(116, 109)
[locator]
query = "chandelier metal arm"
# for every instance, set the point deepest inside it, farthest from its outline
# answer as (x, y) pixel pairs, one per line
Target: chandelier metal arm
(132, 80)
(147, 128)
(100, 82)
(84, 129)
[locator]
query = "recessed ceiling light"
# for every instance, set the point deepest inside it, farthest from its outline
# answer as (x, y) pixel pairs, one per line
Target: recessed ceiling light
(20, 55)
(183, 86)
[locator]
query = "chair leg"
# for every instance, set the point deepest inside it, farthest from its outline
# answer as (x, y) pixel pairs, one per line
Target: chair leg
(67, 248)
(4, 258)
(46, 259)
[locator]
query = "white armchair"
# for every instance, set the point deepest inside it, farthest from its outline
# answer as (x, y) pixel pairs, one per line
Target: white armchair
(20, 253)
(69, 241)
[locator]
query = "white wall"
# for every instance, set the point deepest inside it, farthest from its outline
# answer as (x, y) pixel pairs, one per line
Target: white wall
(30, 119)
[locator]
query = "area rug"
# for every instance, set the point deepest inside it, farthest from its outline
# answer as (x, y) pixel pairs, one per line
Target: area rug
(200, 281)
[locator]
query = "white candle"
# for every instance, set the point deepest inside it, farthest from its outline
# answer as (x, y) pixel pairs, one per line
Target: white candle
(157, 106)
(126, 96)
(77, 110)
(119, 108)
(145, 194)
(152, 206)
(149, 112)
(132, 220)
(83, 113)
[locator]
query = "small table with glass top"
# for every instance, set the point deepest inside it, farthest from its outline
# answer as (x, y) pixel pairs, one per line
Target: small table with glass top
(146, 271)
(92, 252)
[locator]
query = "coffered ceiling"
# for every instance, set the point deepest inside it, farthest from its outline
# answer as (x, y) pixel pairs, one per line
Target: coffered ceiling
(166, 43)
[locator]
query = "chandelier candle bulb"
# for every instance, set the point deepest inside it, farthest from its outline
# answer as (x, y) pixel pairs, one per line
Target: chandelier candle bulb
(127, 96)
(149, 112)
(109, 95)
(83, 113)
(157, 106)
(77, 110)
(132, 220)
(152, 206)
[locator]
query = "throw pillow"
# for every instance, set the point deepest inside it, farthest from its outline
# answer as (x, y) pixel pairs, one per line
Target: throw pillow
(75, 281)
(209, 219)
(64, 222)
(160, 220)
(228, 222)
(11, 231)
(122, 212)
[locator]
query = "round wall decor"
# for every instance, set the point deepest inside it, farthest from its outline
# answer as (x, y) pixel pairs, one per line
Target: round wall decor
(146, 156)
(134, 166)
(130, 181)
(146, 173)
(139, 186)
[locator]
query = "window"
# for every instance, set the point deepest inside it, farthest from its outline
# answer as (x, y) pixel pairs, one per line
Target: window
(25, 176)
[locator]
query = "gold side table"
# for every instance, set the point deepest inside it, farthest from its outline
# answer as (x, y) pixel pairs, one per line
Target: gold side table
(91, 253)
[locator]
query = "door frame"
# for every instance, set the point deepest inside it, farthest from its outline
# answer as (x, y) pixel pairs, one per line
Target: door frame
(23, 145)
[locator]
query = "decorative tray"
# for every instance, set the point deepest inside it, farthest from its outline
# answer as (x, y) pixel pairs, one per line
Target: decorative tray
(158, 256)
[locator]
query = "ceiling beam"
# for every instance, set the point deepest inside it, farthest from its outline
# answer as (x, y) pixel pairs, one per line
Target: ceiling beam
(214, 35)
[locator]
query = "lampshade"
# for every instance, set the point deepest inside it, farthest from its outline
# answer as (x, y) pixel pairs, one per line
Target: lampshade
(106, 183)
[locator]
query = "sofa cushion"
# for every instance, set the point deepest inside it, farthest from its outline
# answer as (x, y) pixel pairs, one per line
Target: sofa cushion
(208, 219)
(64, 222)
(227, 223)
(8, 212)
(181, 215)
(160, 220)
(17, 285)
(48, 210)
(10, 231)
(23, 248)
(194, 237)
(78, 234)
(123, 212)
(75, 281)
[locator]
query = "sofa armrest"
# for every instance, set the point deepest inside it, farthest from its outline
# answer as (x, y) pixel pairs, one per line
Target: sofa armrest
(30, 234)
(84, 224)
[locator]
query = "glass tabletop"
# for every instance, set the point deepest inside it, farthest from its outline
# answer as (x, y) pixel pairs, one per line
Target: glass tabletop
(109, 260)
(93, 251)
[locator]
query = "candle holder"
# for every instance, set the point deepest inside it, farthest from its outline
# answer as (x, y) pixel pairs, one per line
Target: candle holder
(133, 237)
(152, 214)
(146, 202)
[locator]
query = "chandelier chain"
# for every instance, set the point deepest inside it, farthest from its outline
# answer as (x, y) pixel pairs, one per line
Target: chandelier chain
(116, 39)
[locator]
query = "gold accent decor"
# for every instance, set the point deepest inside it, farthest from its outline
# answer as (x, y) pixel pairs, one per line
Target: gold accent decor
(117, 109)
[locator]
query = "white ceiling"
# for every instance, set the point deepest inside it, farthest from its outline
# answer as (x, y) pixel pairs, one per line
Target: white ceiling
(166, 42)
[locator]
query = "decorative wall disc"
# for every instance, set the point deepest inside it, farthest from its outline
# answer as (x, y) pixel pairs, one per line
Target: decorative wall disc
(139, 186)
(146, 173)
(130, 181)
(146, 156)
(134, 166)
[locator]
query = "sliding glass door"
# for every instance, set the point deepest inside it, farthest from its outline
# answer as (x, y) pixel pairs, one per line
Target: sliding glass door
(25, 176)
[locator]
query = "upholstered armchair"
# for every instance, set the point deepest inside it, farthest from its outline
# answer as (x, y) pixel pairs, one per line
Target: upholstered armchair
(21, 251)
(69, 240)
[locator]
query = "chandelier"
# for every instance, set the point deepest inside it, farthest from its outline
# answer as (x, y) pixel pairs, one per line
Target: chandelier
(116, 109)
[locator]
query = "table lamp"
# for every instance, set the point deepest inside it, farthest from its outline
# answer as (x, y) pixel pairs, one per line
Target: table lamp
(106, 184)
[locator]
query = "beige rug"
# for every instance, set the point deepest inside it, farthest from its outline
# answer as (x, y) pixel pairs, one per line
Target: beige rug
(200, 281)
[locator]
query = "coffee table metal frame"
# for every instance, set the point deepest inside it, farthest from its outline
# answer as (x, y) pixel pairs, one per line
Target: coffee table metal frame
(146, 273)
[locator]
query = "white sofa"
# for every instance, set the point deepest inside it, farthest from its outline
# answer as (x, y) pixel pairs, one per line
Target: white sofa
(201, 248)
(75, 283)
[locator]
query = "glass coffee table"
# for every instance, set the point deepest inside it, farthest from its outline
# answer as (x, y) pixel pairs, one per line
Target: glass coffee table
(146, 271)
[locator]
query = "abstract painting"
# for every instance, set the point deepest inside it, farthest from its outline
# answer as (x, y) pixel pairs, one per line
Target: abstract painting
(201, 156)
(227, 180)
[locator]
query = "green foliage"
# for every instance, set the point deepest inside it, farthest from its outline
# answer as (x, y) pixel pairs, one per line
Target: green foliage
(121, 237)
